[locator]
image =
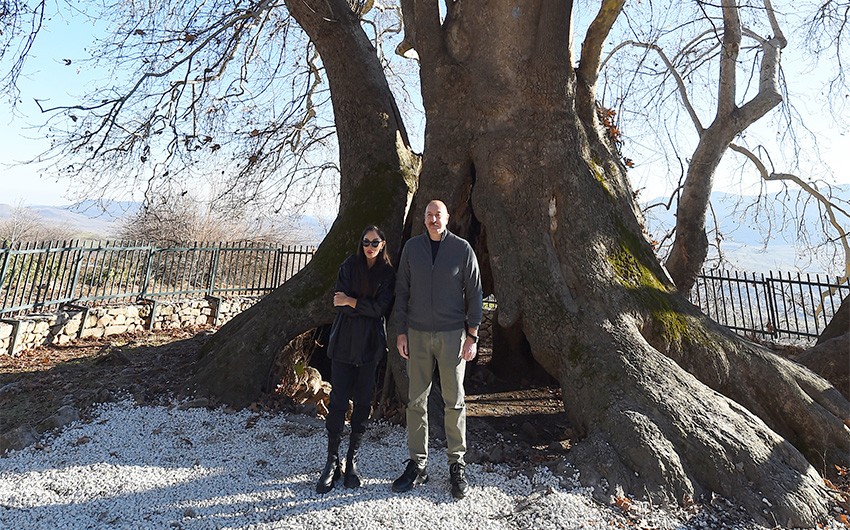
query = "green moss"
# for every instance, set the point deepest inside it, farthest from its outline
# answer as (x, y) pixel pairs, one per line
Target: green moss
(632, 267)
(633, 273)
(671, 325)
(599, 173)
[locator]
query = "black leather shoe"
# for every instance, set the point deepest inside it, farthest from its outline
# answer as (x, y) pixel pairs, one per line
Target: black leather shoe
(413, 476)
(329, 475)
(457, 478)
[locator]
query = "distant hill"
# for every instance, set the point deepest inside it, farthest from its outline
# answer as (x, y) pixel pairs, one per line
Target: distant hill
(81, 224)
(92, 219)
(745, 244)
(110, 210)
(743, 229)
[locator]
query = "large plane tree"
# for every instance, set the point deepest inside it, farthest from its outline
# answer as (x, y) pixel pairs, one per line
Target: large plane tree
(667, 404)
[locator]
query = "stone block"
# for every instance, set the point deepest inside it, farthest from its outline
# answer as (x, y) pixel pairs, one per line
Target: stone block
(5, 330)
(72, 327)
(92, 332)
(41, 327)
(114, 330)
(61, 418)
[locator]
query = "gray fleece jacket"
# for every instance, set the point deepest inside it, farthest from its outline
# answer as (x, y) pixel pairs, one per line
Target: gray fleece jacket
(444, 296)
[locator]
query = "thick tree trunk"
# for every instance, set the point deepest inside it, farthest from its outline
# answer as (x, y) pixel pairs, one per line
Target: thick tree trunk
(840, 323)
(378, 176)
(830, 358)
(670, 405)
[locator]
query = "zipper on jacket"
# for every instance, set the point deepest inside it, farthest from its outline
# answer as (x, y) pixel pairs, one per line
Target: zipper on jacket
(433, 266)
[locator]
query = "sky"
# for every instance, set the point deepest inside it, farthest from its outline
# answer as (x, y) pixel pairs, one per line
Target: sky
(48, 78)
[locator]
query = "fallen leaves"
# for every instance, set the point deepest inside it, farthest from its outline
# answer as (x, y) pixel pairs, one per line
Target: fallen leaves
(623, 503)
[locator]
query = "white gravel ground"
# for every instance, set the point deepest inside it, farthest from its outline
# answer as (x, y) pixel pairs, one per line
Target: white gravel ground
(159, 467)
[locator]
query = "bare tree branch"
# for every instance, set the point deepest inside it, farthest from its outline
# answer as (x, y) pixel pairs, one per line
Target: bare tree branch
(591, 50)
(680, 83)
(726, 87)
(829, 206)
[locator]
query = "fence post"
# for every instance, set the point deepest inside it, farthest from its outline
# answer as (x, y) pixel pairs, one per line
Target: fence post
(773, 319)
(7, 252)
(77, 263)
(148, 271)
(16, 334)
(213, 270)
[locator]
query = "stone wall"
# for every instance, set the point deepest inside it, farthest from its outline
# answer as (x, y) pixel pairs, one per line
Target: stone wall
(75, 322)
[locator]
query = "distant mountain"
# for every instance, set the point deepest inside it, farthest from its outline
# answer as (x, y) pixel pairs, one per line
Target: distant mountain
(92, 219)
(744, 229)
(83, 225)
(756, 239)
(310, 231)
(111, 210)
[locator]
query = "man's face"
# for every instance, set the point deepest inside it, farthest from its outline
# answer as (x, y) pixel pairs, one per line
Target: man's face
(436, 218)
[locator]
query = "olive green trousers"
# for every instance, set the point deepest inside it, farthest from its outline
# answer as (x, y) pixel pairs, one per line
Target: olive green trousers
(426, 349)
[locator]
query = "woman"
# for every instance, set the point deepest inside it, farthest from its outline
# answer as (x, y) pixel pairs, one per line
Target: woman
(358, 341)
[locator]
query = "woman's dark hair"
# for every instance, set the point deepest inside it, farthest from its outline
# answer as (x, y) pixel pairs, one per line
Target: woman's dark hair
(361, 271)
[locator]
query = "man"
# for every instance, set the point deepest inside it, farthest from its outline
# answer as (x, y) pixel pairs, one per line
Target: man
(437, 314)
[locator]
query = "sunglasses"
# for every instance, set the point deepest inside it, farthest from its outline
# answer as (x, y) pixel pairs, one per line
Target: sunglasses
(374, 243)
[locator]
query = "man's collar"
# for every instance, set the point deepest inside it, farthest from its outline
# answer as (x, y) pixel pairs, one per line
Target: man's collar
(443, 235)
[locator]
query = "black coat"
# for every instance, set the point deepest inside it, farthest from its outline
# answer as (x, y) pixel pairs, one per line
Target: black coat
(358, 335)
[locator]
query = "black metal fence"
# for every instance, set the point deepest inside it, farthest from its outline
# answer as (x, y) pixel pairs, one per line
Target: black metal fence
(775, 306)
(44, 275)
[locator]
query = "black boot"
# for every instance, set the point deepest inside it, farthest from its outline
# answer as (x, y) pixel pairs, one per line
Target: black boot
(352, 479)
(413, 475)
(331, 472)
(457, 478)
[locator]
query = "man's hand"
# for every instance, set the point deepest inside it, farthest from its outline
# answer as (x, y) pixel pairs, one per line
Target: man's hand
(401, 344)
(469, 349)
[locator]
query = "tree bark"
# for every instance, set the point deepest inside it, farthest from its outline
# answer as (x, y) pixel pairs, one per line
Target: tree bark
(830, 357)
(378, 176)
(667, 402)
(840, 323)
